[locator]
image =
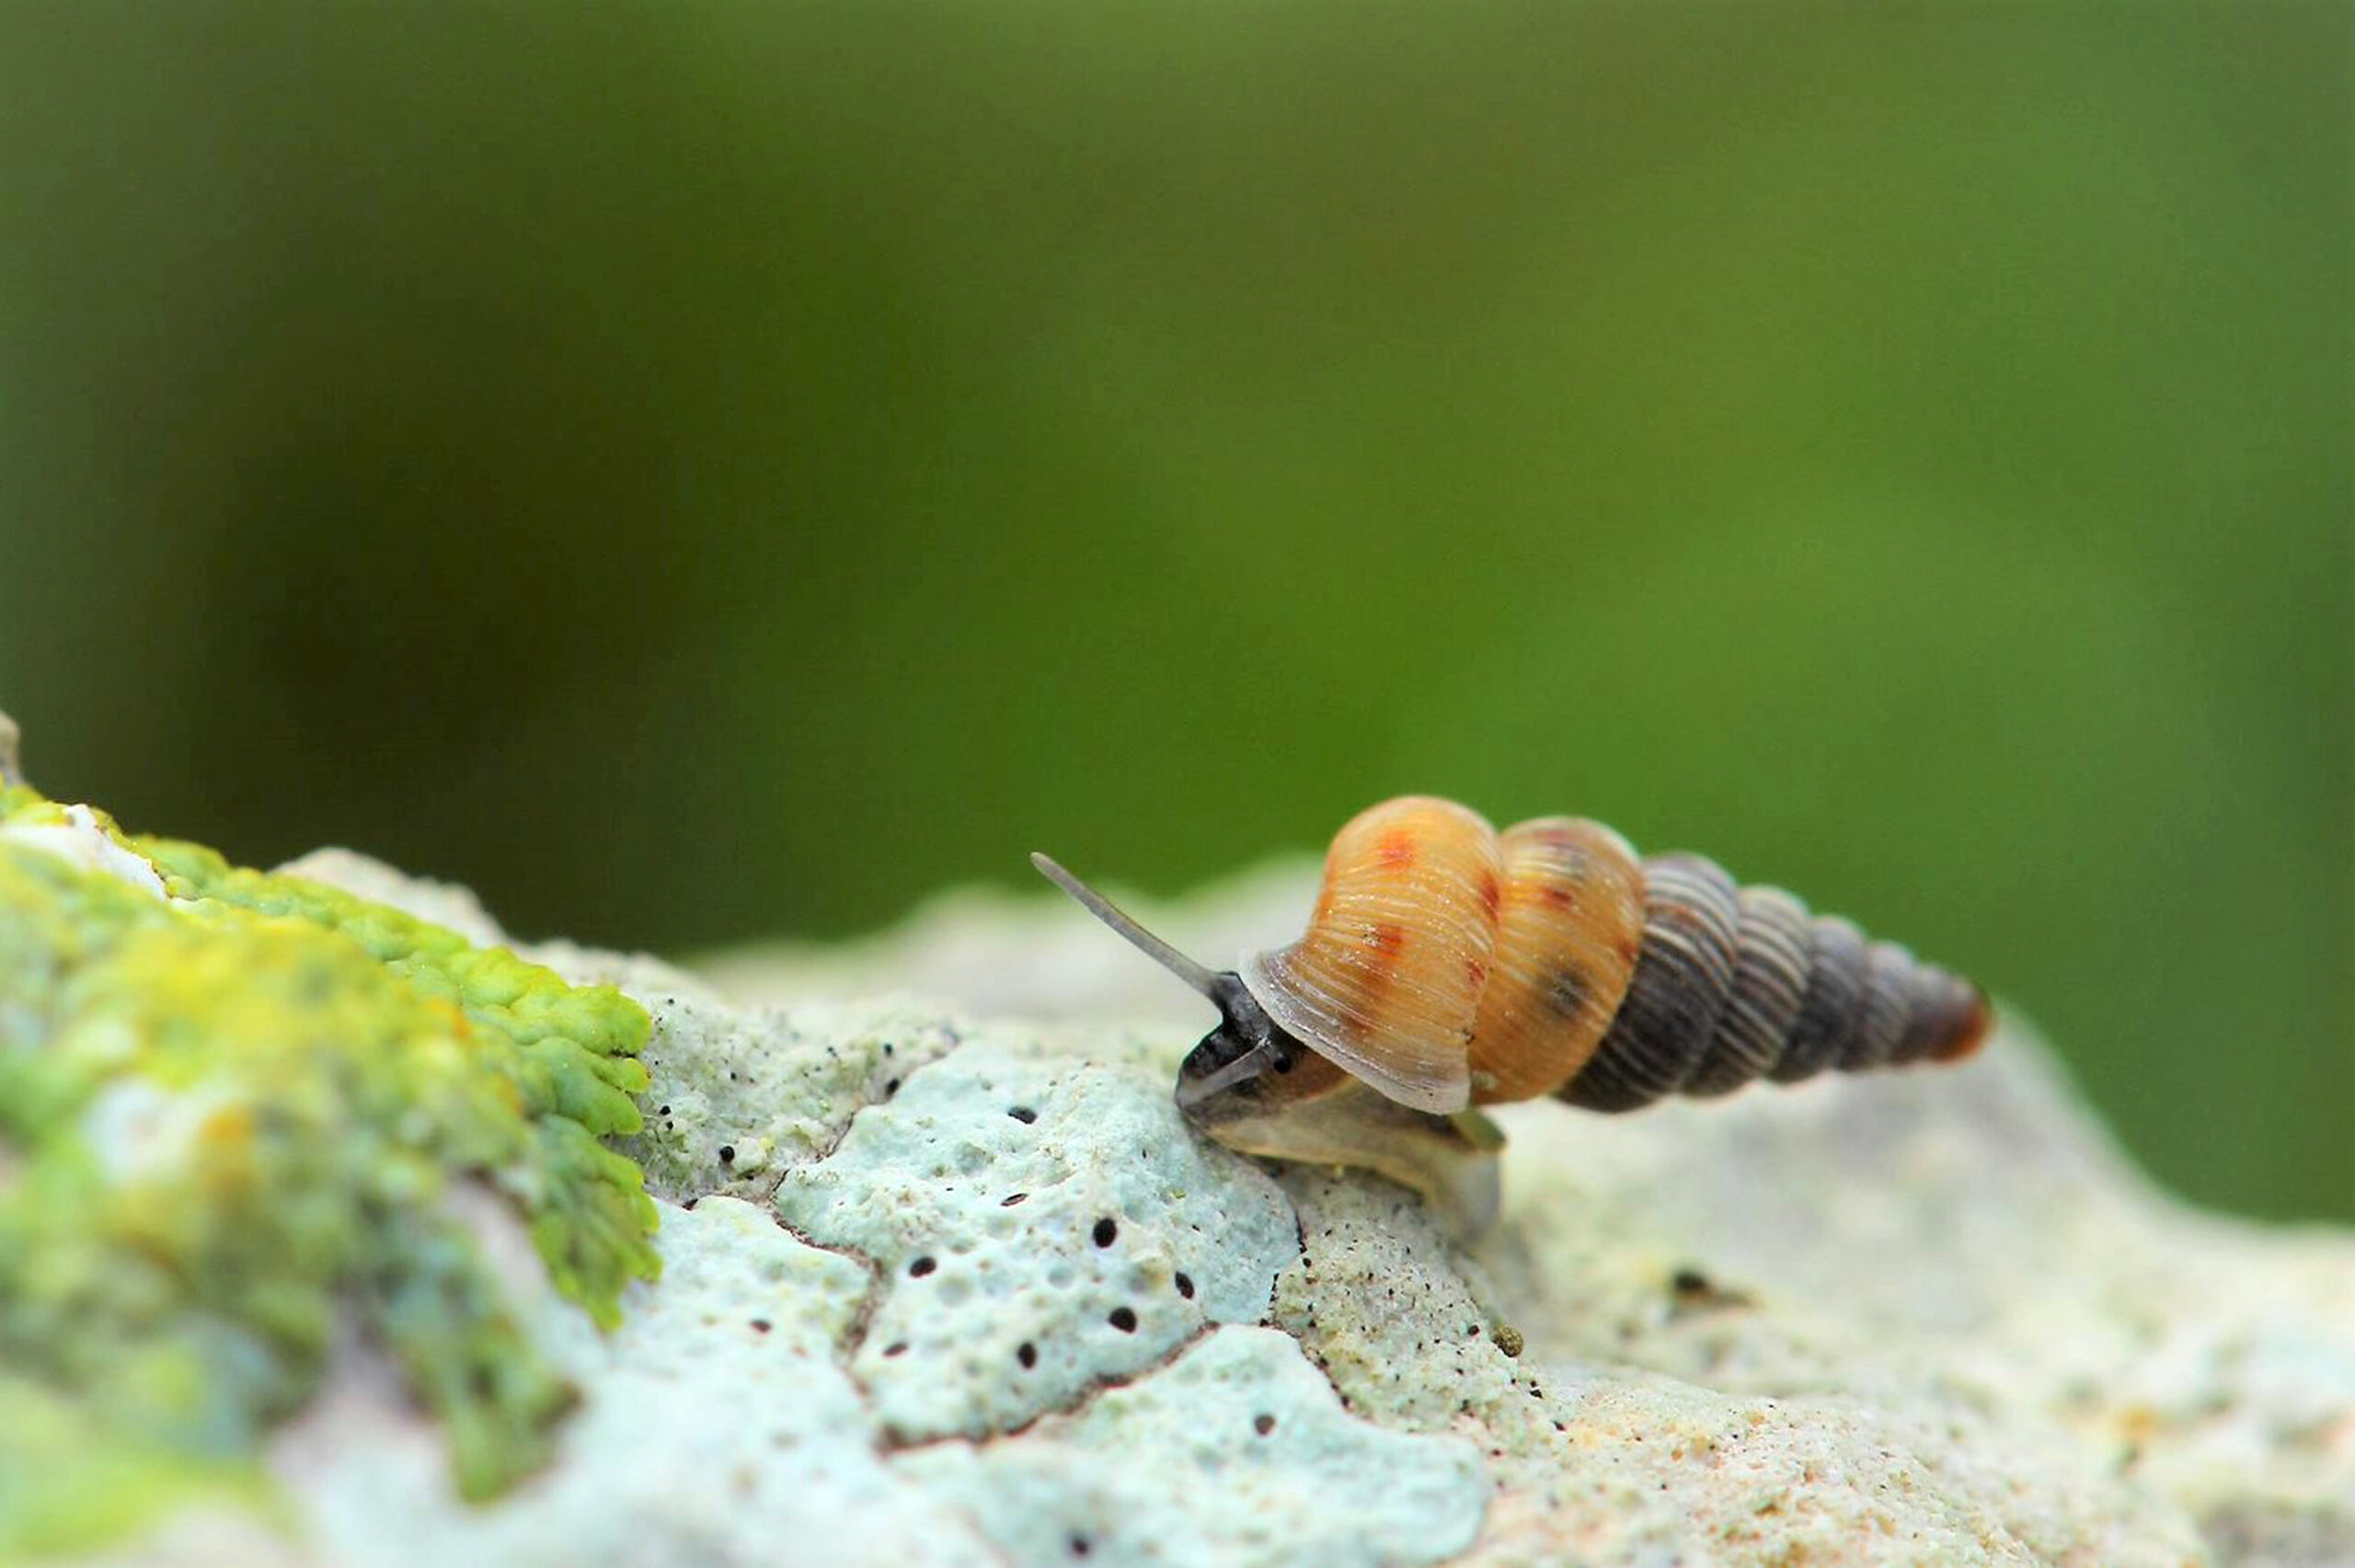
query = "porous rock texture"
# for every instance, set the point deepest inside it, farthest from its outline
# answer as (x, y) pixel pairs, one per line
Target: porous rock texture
(949, 1281)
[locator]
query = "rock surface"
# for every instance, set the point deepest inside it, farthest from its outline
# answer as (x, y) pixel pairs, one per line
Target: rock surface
(950, 1283)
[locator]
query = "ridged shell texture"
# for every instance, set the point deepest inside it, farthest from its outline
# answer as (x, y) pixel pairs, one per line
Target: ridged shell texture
(1449, 964)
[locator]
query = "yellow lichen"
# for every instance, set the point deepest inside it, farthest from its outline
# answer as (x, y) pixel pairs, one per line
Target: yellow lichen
(230, 1123)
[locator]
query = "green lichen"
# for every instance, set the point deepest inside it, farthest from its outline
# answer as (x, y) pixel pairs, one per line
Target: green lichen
(232, 1125)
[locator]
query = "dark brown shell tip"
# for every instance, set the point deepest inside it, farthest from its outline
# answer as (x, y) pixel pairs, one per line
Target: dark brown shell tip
(1977, 1026)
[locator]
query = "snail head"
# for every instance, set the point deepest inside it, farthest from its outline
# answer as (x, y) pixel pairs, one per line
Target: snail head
(1240, 1067)
(1258, 1089)
(1246, 1064)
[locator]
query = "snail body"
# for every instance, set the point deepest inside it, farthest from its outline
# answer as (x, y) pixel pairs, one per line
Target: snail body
(1449, 967)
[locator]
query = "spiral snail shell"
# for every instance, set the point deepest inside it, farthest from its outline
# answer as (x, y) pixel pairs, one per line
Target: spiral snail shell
(1449, 967)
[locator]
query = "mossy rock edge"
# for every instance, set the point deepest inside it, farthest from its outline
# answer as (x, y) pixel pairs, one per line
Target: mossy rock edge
(239, 1116)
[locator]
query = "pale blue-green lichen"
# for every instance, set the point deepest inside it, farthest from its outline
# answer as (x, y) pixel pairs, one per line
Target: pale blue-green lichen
(233, 1121)
(740, 1098)
(718, 1425)
(1237, 1453)
(1039, 1226)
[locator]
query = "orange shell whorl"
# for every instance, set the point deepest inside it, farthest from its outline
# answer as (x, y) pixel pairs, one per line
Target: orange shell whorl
(1387, 978)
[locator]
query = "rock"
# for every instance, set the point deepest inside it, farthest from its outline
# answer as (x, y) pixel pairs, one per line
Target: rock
(1238, 1452)
(944, 1286)
(719, 1426)
(746, 1095)
(1039, 1228)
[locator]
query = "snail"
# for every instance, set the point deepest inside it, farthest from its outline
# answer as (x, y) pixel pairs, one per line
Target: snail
(1449, 967)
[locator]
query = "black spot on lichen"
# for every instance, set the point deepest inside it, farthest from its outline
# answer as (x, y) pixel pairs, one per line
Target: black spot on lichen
(1263, 1424)
(1123, 1319)
(727, 1154)
(1186, 1286)
(1023, 1114)
(1027, 1353)
(921, 1267)
(897, 1347)
(760, 1325)
(1107, 1232)
(1010, 1201)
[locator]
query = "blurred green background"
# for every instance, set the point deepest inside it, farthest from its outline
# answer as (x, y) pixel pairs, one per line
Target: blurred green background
(697, 473)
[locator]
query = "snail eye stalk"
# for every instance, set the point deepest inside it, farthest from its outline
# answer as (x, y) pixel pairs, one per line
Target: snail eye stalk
(1199, 977)
(1247, 1042)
